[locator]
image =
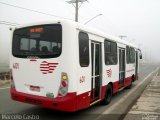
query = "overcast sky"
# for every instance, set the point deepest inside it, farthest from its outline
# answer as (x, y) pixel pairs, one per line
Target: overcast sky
(139, 20)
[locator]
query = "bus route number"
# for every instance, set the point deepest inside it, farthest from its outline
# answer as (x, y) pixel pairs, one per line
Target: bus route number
(82, 79)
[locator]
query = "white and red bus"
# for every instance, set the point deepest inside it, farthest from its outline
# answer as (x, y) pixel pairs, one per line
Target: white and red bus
(67, 66)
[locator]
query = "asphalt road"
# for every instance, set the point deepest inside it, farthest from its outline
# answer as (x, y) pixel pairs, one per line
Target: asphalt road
(7, 106)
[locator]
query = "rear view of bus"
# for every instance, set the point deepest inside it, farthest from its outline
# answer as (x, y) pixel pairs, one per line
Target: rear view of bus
(37, 69)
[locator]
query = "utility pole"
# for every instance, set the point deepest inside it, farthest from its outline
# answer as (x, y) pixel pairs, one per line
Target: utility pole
(77, 6)
(76, 13)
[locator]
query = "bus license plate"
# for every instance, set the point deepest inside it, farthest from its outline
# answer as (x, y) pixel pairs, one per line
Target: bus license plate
(35, 88)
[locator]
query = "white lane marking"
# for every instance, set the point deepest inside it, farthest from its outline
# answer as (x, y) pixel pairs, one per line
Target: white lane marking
(4, 88)
(124, 97)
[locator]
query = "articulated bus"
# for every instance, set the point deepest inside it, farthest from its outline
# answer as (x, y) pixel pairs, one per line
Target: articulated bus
(66, 66)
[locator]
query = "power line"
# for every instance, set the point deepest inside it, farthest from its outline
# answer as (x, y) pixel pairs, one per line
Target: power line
(110, 22)
(92, 18)
(34, 10)
(94, 8)
(9, 23)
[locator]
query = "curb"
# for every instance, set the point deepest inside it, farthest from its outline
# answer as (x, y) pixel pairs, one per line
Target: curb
(137, 110)
(141, 88)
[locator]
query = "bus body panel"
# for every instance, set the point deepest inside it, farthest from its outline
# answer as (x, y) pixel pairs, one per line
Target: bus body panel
(29, 74)
(28, 71)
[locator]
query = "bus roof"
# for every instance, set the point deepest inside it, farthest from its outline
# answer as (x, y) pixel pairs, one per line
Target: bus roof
(83, 28)
(105, 35)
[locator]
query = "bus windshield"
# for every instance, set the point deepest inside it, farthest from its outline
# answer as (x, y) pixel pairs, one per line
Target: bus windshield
(44, 41)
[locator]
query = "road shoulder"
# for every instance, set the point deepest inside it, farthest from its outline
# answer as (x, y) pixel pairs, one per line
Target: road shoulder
(148, 104)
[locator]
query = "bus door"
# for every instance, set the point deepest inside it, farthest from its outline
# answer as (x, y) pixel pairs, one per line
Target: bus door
(121, 67)
(96, 71)
(136, 69)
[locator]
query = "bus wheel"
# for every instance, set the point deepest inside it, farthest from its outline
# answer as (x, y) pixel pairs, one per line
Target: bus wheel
(108, 95)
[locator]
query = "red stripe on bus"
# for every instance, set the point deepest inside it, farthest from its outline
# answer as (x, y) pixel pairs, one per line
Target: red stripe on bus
(45, 64)
(33, 60)
(52, 66)
(44, 73)
(47, 67)
(44, 67)
(50, 72)
(44, 70)
(51, 69)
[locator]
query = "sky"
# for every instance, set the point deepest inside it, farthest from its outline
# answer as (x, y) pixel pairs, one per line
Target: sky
(139, 20)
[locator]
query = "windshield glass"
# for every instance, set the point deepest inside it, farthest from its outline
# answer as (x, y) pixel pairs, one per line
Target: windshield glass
(43, 41)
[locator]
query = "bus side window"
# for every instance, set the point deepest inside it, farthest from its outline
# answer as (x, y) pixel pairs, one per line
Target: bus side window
(128, 54)
(132, 55)
(110, 52)
(83, 49)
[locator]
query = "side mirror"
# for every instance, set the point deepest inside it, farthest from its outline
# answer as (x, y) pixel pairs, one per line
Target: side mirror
(140, 55)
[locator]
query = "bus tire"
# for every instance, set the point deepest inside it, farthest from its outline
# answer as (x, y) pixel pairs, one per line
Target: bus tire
(108, 95)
